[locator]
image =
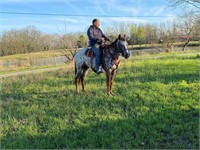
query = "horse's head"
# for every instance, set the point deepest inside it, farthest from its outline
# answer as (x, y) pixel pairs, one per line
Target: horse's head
(121, 46)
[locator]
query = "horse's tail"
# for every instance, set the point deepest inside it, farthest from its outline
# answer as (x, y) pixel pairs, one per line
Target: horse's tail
(75, 68)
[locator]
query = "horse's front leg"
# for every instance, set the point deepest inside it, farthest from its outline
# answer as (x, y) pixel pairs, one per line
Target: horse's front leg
(111, 82)
(108, 80)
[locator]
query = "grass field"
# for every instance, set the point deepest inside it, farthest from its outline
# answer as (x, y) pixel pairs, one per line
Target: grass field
(156, 105)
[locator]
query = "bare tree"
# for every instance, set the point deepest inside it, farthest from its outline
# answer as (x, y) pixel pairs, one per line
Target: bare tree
(24, 40)
(186, 4)
(116, 29)
(67, 42)
(110, 31)
(188, 25)
(168, 36)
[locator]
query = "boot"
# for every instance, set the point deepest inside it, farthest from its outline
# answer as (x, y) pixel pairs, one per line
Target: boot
(99, 70)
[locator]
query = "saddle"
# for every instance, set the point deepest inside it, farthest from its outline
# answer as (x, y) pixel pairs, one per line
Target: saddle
(89, 52)
(103, 48)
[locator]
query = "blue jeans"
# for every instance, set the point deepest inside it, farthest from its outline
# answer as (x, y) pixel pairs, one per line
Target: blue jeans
(97, 52)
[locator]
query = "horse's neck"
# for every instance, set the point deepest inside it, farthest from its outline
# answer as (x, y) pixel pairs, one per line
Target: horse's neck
(113, 52)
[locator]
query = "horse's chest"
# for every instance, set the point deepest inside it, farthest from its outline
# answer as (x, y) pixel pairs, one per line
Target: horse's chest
(110, 64)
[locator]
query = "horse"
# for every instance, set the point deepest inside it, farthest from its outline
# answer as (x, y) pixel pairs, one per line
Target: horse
(85, 59)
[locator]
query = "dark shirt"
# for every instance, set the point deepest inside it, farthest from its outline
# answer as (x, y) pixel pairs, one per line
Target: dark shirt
(95, 35)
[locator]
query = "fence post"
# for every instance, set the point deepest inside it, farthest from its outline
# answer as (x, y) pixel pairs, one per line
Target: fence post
(55, 59)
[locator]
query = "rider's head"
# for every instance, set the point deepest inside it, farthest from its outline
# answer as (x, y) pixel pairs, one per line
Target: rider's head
(96, 23)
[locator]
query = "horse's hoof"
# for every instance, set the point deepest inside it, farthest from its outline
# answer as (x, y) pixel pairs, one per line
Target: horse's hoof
(85, 91)
(109, 94)
(112, 93)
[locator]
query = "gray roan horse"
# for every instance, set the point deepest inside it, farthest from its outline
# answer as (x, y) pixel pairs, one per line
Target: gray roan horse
(85, 59)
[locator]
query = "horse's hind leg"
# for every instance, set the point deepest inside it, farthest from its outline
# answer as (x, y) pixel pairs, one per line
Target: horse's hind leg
(77, 78)
(82, 79)
(83, 85)
(77, 82)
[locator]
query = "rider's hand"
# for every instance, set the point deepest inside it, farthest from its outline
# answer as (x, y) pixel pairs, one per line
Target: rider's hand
(107, 39)
(100, 40)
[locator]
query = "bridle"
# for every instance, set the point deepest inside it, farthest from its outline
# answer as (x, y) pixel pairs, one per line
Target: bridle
(117, 49)
(120, 50)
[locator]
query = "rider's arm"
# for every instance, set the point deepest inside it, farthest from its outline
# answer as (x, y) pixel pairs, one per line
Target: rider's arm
(104, 36)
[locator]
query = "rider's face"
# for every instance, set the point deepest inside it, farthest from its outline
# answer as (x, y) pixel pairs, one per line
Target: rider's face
(97, 24)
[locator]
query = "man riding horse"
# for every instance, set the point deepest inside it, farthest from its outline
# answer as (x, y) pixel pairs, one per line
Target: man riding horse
(96, 36)
(87, 58)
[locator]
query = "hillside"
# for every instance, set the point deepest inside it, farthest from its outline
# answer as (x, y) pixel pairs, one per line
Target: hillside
(156, 105)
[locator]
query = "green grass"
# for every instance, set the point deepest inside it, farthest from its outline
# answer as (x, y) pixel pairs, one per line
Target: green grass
(156, 105)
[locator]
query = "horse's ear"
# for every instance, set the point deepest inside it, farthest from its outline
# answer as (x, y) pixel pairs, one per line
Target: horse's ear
(125, 36)
(119, 37)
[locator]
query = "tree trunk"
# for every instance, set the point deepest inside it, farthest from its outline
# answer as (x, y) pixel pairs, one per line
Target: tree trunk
(172, 47)
(185, 45)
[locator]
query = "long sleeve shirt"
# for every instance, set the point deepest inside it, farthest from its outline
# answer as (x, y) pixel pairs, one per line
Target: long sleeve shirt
(95, 35)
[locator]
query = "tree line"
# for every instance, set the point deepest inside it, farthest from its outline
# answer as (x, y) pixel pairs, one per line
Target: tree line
(184, 29)
(30, 39)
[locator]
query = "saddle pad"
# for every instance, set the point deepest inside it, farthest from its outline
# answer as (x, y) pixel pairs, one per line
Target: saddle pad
(89, 52)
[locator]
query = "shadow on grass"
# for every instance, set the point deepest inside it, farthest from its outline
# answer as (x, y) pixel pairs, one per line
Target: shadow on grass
(161, 78)
(166, 129)
(163, 73)
(164, 78)
(16, 91)
(98, 81)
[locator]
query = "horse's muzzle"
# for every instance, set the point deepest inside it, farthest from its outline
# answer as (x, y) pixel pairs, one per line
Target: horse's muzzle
(127, 54)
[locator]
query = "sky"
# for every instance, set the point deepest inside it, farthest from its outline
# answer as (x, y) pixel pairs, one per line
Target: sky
(61, 16)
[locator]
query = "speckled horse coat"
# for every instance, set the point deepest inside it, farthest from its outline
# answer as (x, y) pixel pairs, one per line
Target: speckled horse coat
(85, 59)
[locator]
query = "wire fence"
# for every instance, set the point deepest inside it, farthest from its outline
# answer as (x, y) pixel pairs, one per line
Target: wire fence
(60, 60)
(49, 61)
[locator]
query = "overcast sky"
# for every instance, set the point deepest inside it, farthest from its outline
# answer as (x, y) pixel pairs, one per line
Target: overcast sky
(91, 8)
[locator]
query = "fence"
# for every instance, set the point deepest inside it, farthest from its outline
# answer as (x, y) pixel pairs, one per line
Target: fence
(59, 60)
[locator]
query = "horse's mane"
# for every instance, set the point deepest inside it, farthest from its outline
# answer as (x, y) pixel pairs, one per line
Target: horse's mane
(113, 43)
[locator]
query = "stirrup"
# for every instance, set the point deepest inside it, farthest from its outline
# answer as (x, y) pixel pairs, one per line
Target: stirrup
(99, 71)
